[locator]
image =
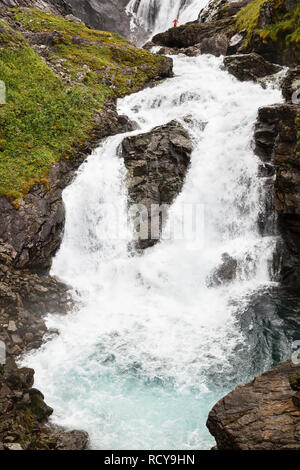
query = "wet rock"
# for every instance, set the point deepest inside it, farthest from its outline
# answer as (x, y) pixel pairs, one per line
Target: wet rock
(157, 164)
(277, 142)
(247, 67)
(226, 272)
(261, 415)
(38, 406)
(73, 440)
(291, 84)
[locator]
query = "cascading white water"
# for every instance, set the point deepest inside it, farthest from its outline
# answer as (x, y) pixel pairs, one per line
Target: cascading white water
(157, 15)
(151, 346)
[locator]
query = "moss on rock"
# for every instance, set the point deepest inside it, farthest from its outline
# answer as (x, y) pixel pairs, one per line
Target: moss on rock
(272, 25)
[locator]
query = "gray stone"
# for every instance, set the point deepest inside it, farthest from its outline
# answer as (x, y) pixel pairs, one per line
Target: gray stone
(161, 157)
(73, 440)
(252, 66)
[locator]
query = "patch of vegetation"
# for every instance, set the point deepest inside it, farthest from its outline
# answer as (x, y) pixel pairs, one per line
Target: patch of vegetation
(47, 115)
(285, 25)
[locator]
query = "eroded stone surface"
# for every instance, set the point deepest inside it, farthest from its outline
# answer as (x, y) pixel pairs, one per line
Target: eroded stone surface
(157, 163)
(261, 415)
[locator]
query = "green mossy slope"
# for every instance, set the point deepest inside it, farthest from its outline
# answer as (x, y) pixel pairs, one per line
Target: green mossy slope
(283, 31)
(47, 114)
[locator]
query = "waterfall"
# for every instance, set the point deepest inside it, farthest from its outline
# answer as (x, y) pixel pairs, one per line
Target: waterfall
(151, 345)
(157, 15)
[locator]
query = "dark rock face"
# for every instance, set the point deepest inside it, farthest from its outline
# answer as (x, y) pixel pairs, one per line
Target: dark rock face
(277, 143)
(291, 85)
(226, 272)
(249, 66)
(107, 15)
(157, 164)
(34, 229)
(262, 415)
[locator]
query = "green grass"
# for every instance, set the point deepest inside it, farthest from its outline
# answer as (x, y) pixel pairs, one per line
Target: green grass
(46, 117)
(286, 26)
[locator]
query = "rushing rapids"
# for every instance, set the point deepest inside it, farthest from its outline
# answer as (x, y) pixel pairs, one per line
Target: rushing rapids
(151, 344)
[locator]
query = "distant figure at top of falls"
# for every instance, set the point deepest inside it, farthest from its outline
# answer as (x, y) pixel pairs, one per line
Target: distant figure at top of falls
(175, 22)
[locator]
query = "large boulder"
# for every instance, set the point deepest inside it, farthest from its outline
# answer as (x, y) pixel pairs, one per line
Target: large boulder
(157, 164)
(226, 272)
(247, 67)
(262, 415)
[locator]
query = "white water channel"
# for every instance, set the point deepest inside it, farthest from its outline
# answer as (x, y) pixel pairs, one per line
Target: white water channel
(150, 346)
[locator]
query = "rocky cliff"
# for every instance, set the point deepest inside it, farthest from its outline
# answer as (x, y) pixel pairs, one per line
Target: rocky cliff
(157, 164)
(108, 15)
(278, 145)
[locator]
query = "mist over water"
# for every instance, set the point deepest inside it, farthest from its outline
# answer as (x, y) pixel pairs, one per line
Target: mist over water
(151, 344)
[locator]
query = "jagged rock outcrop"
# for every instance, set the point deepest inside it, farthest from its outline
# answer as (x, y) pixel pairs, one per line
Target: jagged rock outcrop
(247, 67)
(226, 272)
(262, 415)
(278, 145)
(157, 164)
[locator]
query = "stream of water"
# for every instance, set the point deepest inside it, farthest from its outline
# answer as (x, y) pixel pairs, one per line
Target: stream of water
(151, 345)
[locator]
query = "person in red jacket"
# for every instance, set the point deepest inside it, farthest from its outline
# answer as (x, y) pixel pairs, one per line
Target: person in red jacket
(175, 23)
